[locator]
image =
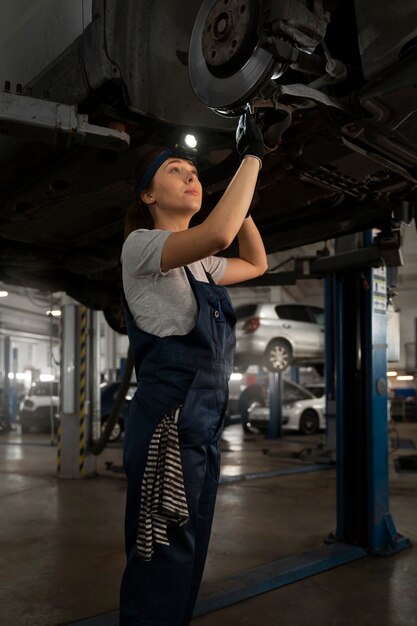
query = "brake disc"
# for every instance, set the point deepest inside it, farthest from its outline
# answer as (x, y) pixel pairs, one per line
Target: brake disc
(227, 68)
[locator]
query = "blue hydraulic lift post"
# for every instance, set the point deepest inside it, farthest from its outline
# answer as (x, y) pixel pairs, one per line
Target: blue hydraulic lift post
(329, 365)
(382, 535)
(340, 404)
(363, 516)
(276, 395)
(295, 374)
(6, 389)
(14, 386)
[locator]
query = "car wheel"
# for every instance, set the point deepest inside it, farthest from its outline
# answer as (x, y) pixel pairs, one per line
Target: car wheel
(309, 422)
(115, 433)
(278, 356)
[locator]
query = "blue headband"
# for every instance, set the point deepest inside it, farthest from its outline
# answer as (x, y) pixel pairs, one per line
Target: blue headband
(156, 164)
(151, 171)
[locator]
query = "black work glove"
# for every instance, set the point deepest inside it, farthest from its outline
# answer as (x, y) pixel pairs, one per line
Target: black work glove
(249, 140)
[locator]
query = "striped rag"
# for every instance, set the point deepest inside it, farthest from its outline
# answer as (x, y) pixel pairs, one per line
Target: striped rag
(163, 500)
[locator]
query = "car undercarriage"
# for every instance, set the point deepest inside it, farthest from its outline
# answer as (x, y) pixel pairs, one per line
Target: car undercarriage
(331, 83)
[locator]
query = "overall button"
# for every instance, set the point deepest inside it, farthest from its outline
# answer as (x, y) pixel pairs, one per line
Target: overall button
(216, 314)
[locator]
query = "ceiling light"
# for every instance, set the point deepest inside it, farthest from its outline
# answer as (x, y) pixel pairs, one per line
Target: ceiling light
(392, 373)
(405, 377)
(3, 294)
(54, 313)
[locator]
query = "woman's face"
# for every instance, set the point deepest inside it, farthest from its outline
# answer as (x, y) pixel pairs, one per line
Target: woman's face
(175, 186)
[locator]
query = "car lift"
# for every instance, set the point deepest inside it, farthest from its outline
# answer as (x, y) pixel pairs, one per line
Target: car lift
(355, 347)
(355, 306)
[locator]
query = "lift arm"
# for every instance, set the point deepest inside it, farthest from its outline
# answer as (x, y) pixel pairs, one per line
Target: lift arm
(55, 123)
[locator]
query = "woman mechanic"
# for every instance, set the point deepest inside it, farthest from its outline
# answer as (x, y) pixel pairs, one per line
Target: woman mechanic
(180, 322)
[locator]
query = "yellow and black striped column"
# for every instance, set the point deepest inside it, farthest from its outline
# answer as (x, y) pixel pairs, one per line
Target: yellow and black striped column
(82, 385)
(74, 457)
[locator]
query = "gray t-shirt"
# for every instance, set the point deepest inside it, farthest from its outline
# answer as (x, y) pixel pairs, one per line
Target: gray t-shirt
(162, 303)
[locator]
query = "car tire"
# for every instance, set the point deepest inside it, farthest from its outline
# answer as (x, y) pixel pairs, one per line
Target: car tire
(115, 433)
(309, 422)
(278, 356)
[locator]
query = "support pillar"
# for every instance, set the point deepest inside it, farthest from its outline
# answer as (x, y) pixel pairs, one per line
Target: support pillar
(7, 417)
(329, 368)
(276, 397)
(78, 379)
(363, 516)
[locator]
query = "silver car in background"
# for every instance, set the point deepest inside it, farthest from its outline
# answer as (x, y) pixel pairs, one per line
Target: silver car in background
(279, 335)
(301, 411)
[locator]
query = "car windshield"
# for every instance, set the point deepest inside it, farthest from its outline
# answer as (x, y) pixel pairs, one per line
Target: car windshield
(317, 390)
(293, 393)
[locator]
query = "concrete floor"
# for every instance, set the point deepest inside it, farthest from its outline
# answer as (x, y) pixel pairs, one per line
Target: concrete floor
(61, 542)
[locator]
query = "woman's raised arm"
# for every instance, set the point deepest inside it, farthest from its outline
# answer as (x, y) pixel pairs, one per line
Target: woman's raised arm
(225, 221)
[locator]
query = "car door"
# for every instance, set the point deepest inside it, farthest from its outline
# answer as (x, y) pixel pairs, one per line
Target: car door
(317, 318)
(296, 322)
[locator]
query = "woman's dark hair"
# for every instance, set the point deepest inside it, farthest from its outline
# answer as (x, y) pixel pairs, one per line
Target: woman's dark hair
(138, 214)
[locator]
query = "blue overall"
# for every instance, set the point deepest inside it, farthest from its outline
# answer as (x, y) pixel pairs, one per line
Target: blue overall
(191, 371)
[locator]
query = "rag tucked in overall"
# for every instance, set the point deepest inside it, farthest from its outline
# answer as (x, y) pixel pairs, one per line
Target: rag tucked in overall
(176, 416)
(163, 500)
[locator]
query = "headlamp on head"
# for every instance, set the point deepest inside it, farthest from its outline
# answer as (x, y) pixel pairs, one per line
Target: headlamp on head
(182, 152)
(190, 141)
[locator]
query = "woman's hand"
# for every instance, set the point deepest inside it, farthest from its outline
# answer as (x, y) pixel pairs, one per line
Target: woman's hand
(249, 140)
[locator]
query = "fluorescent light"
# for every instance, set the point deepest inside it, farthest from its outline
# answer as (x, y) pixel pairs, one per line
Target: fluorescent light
(18, 376)
(46, 378)
(54, 312)
(392, 373)
(236, 376)
(3, 294)
(405, 377)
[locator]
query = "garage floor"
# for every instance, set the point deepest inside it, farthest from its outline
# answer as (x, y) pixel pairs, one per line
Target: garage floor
(61, 553)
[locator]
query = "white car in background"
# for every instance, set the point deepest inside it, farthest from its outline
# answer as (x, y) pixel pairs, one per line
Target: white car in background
(301, 411)
(38, 410)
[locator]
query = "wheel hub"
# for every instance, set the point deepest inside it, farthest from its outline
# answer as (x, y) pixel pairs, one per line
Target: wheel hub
(229, 35)
(279, 358)
(226, 66)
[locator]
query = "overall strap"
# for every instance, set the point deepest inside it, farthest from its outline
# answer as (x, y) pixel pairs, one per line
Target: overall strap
(191, 276)
(209, 276)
